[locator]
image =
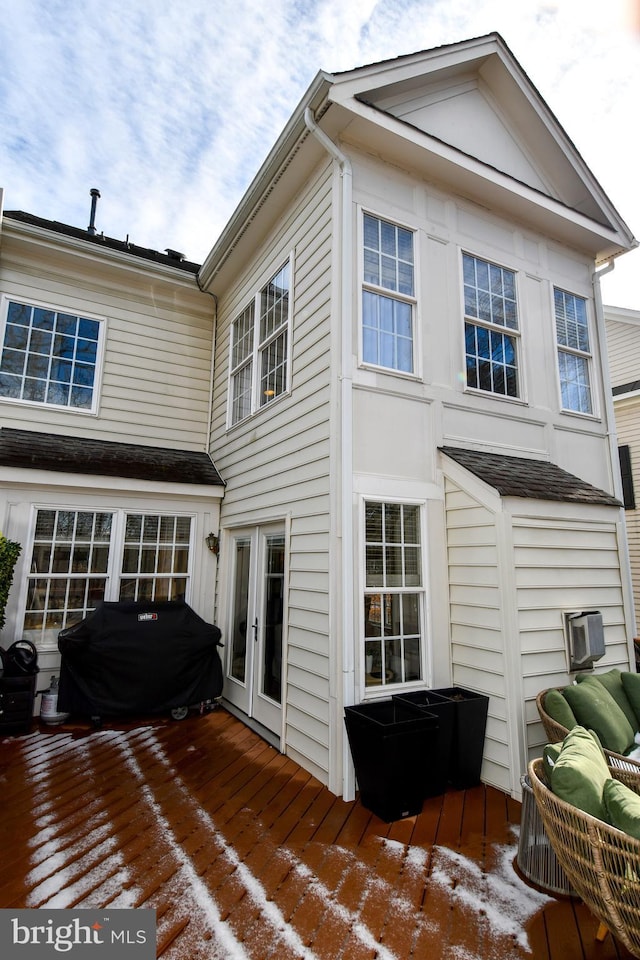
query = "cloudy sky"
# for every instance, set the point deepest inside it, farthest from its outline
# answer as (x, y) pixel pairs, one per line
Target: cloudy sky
(170, 106)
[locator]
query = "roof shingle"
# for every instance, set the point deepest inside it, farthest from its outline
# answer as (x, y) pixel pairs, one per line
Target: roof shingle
(531, 479)
(44, 451)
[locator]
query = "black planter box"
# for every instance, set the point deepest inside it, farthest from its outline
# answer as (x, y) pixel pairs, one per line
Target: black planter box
(469, 729)
(440, 753)
(389, 743)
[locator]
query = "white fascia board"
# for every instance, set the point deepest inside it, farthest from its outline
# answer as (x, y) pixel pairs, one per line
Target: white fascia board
(622, 315)
(95, 253)
(494, 189)
(269, 172)
(483, 492)
(18, 477)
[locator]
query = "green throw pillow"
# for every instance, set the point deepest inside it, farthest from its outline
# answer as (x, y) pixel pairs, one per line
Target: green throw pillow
(579, 774)
(631, 686)
(550, 756)
(596, 709)
(558, 709)
(622, 806)
(612, 681)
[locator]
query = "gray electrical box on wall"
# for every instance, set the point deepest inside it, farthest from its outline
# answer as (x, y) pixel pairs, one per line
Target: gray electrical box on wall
(585, 636)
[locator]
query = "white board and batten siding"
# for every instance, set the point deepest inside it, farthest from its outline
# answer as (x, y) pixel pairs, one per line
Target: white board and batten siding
(277, 463)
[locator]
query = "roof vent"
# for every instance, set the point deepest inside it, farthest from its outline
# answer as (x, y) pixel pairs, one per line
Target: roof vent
(94, 193)
(174, 254)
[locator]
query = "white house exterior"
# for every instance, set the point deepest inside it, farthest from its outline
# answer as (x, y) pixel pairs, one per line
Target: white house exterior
(623, 340)
(408, 405)
(105, 476)
(412, 278)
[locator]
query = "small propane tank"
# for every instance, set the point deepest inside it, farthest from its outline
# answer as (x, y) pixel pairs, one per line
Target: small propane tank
(49, 704)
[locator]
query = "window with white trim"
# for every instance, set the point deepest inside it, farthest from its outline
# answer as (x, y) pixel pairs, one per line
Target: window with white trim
(260, 347)
(393, 602)
(490, 327)
(574, 351)
(388, 295)
(50, 357)
(73, 568)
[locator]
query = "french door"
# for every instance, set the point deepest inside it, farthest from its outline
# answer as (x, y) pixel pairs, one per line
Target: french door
(253, 681)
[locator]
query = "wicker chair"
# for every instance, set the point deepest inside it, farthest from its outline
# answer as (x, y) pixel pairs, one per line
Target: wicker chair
(555, 732)
(601, 862)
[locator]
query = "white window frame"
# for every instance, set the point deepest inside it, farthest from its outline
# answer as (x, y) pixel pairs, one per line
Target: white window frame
(374, 691)
(395, 295)
(577, 352)
(492, 328)
(257, 348)
(99, 362)
(114, 574)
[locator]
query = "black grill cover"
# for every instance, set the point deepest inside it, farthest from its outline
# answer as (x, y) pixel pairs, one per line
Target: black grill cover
(138, 657)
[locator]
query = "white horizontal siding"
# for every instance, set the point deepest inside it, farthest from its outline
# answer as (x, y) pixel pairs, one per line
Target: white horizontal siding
(562, 566)
(627, 414)
(156, 374)
(278, 462)
(476, 620)
(623, 346)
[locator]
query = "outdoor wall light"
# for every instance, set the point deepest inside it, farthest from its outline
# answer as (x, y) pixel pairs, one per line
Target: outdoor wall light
(213, 542)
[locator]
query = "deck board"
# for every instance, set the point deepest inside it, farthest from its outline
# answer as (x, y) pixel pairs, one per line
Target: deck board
(245, 856)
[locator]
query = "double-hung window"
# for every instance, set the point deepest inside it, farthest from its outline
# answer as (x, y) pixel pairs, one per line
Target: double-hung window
(50, 357)
(574, 352)
(388, 295)
(260, 347)
(491, 327)
(393, 594)
(82, 557)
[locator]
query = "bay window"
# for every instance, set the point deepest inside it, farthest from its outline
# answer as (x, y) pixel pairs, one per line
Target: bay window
(81, 557)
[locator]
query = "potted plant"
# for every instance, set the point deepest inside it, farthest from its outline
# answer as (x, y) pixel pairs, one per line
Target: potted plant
(9, 553)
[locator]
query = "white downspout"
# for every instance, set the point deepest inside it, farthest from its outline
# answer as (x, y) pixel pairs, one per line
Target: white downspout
(612, 437)
(346, 446)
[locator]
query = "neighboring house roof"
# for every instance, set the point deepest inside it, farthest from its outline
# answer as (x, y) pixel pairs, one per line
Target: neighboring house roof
(532, 479)
(626, 388)
(169, 259)
(44, 451)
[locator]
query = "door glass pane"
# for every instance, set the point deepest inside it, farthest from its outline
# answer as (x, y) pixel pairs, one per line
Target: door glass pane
(273, 614)
(239, 630)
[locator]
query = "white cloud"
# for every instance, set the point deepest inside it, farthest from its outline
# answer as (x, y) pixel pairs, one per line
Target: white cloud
(169, 108)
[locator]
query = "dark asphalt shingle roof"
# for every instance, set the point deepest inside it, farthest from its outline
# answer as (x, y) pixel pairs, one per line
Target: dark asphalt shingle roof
(44, 451)
(532, 479)
(98, 239)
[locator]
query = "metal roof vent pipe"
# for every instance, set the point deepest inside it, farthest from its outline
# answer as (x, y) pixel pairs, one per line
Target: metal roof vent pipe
(94, 194)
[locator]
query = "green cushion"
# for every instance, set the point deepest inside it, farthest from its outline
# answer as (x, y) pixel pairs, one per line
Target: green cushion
(558, 709)
(631, 686)
(612, 681)
(579, 774)
(596, 709)
(622, 806)
(550, 756)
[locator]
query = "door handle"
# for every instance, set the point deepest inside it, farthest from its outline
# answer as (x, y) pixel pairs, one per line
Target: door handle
(255, 630)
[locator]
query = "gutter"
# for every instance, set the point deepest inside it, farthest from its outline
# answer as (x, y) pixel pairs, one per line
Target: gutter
(346, 441)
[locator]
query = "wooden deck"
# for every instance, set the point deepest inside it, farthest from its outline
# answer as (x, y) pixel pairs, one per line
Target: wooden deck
(245, 856)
